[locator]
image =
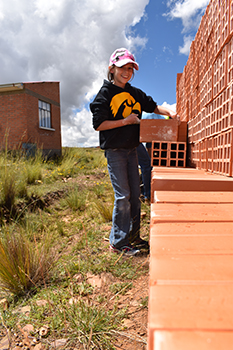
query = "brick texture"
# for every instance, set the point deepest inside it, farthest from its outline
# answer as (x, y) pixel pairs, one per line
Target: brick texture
(204, 89)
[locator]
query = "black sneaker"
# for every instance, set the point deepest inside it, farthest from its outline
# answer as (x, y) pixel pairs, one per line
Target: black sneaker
(140, 243)
(127, 250)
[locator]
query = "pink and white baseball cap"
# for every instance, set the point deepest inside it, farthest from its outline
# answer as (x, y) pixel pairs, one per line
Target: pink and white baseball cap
(122, 56)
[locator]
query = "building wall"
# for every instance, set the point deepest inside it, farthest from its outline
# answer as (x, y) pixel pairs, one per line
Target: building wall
(204, 90)
(13, 125)
(19, 114)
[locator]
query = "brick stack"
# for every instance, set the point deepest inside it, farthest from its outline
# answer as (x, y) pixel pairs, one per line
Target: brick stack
(168, 141)
(191, 247)
(204, 91)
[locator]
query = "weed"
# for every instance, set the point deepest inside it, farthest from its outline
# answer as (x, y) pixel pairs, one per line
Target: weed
(144, 302)
(104, 201)
(120, 288)
(105, 209)
(93, 325)
(33, 172)
(8, 190)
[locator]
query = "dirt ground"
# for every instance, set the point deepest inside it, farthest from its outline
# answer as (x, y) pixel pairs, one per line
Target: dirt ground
(133, 337)
(136, 333)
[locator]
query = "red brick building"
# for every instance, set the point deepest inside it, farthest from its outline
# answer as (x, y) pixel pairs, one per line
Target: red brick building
(30, 117)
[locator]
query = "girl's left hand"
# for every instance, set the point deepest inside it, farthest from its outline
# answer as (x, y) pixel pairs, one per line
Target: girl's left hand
(175, 116)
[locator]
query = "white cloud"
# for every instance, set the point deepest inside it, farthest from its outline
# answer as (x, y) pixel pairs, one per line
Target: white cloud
(187, 10)
(68, 41)
(190, 13)
(80, 133)
(167, 105)
(164, 104)
(185, 49)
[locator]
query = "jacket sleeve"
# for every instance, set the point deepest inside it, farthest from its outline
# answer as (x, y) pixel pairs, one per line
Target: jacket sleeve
(100, 110)
(147, 103)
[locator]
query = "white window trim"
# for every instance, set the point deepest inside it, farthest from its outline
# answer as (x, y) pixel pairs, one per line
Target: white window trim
(44, 128)
(46, 110)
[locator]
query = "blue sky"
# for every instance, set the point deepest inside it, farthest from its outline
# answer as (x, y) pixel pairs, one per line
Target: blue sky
(161, 60)
(70, 41)
(165, 53)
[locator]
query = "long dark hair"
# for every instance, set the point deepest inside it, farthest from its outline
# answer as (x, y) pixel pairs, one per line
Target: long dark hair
(110, 75)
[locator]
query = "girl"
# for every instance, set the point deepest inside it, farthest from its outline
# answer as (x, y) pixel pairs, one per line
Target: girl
(117, 110)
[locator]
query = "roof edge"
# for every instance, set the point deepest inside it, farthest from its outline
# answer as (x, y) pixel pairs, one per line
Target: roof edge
(11, 87)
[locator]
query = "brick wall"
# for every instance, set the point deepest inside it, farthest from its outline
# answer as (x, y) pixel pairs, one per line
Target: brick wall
(204, 89)
(13, 125)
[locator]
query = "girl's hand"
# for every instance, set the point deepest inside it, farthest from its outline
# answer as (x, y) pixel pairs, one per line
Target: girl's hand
(173, 115)
(176, 116)
(131, 119)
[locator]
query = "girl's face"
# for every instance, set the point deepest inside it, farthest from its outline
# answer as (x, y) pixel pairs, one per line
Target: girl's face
(122, 74)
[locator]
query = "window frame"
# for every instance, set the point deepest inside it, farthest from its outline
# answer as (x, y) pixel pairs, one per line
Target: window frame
(45, 120)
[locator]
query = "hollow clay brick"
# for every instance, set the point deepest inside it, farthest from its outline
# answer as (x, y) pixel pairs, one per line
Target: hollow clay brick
(192, 229)
(188, 340)
(191, 244)
(192, 181)
(191, 212)
(191, 268)
(192, 307)
(192, 197)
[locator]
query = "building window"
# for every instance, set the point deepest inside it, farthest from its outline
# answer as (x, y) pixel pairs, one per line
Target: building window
(44, 115)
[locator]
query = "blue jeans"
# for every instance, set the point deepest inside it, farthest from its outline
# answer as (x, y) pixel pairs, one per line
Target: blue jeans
(124, 175)
(145, 164)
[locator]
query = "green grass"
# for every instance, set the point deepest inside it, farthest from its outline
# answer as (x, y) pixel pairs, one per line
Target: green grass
(54, 232)
(75, 199)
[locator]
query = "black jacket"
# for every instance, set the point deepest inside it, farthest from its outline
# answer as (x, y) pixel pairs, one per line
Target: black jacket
(113, 103)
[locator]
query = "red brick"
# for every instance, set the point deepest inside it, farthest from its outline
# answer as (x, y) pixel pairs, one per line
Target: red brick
(188, 340)
(191, 306)
(192, 197)
(191, 268)
(191, 212)
(158, 129)
(176, 243)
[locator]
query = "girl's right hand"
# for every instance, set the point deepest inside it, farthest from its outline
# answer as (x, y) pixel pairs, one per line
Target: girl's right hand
(131, 119)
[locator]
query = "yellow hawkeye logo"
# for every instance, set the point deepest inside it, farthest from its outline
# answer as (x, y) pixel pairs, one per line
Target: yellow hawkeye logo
(125, 104)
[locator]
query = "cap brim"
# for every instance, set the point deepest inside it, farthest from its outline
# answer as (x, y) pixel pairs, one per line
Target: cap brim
(121, 63)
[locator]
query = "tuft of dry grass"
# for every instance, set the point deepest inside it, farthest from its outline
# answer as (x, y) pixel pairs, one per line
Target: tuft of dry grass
(24, 265)
(105, 209)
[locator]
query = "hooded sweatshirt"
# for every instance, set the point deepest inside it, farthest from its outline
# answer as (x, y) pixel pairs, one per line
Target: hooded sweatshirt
(112, 103)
